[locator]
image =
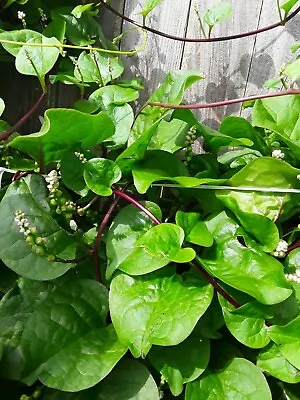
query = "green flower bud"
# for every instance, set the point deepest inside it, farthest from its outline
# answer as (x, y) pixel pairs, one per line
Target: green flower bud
(39, 250)
(51, 258)
(30, 240)
(80, 211)
(58, 211)
(53, 202)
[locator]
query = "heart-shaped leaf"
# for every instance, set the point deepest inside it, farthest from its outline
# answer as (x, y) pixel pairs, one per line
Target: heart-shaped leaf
(59, 134)
(160, 308)
(100, 174)
(239, 262)
(65, 343)
(172, 365)
(29, 196)
(239, 379)
(194, 228)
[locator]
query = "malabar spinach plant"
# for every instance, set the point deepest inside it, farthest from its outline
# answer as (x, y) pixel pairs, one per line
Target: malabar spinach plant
(134, 266)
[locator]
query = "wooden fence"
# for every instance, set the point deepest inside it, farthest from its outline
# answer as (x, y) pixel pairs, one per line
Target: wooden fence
(232, 68)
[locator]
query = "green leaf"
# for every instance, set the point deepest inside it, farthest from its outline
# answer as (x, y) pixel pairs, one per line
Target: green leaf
(292, 70)
(239, 262)
(129, 380)
(287, 5)
(112, 99)
(29, 196)
(32, 60)
(295, 47)
(282, 116)
(55, 29)
(129, 226)
(160, 308)
(258, 211)
(275, 364)
(171, 91)
(149, 6)
(2, 106)
(100, 174)
(170, 136)
(194, 228)
(59, 134)
(66, 343)
(288, 338)
(98, 67)
(165, 241)
(15, 309)
(219, 12)
(157, 165)
(72, 169)
(172, 365)
(81, 9)
(239, 379)
(274, 83)
(247, 323)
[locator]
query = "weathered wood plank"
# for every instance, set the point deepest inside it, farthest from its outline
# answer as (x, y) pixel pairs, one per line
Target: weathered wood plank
(161, 55)
(112, 25)
(272, 48)
(224, 64)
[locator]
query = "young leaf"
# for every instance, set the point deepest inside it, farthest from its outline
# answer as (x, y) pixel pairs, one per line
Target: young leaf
(59, 134)
(113, 99)
(275, 364)
(172, 365)
(219, 12)
(29, 196)
(288, 338)
(171, 91)
(98, 67)
(194, 228)
(239, 262)
(100, 174)
(292, 70)
(128, 226)
(32, 60)
(74, 350)
(170, 136)
(81, 9)
(149, 6)
(287, 5)
(247, 323)
(239, 379)
(160, 308)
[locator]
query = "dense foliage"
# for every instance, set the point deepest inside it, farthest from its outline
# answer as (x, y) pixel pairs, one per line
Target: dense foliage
(134, 265)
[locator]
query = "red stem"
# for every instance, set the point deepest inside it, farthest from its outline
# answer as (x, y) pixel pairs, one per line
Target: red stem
(209, 279)
(138, 205)
(102, 226)
(5, 135)
(225, 102)
(198, 40)
(293, 246)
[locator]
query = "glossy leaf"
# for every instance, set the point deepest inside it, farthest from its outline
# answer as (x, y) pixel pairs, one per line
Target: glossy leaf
(171, 91)
(59, 134)
(29, 196)
(129, 226)
(98, 67)
(194, 228)
(113, 100)
(160, 308)
(287, 5)
(288, 338)
(129, 380)
(257, 211)
(280, 115)
(275, 364)
(247, 323)
(292, 70)
(170, 136)
(100, 174)
(66, 343)
(172, 365)
(239, 379)
(244, 266)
